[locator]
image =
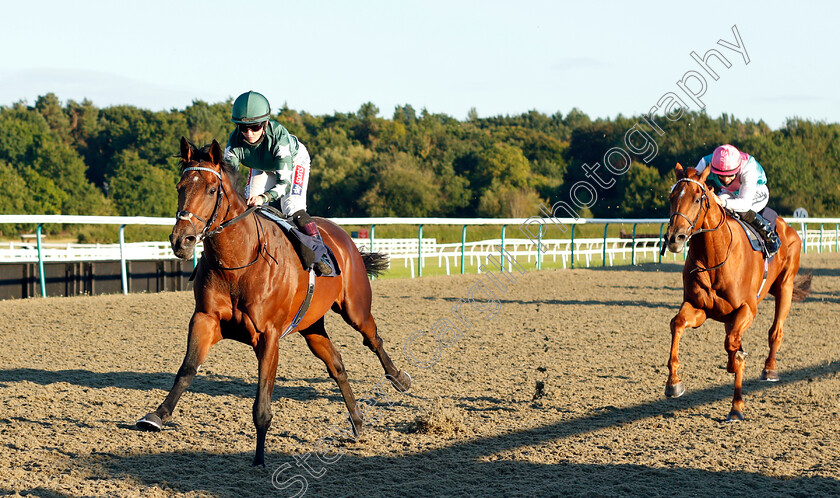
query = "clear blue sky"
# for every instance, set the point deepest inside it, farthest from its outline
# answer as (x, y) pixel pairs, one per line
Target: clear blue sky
(604, 58)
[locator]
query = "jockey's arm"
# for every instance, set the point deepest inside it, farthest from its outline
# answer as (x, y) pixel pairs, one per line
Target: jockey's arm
(279, 185)
(744, 201)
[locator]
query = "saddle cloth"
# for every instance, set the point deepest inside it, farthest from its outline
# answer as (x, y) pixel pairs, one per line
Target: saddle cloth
(754, 237)
(301, 241)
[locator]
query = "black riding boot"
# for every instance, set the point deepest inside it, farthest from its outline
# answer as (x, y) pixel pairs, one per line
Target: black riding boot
(771, 239)
(305, 224)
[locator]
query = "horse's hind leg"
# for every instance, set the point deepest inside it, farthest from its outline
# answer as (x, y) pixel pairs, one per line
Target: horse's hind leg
(321, 346)
(204, 332)
(688, 316)
(783, 291)
(360, 318)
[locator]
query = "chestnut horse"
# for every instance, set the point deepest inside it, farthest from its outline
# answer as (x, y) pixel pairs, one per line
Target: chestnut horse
(249, 286)
(724, 279)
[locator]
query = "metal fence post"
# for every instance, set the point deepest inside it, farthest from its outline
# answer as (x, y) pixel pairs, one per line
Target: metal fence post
(420, 252)
(804, 238)
(604, 253)
(502, 252)
(123, 273)
(372, 229)
(463, 246)
(41, 278)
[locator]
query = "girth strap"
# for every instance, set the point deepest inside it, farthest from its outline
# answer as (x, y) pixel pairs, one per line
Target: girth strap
(764, 280)
(303, 307)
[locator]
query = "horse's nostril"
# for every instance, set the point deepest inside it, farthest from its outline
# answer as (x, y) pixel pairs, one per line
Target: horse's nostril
(189, 239)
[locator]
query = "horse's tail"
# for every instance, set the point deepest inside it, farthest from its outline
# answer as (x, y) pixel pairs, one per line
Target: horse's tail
(801, 286)
(375, 263)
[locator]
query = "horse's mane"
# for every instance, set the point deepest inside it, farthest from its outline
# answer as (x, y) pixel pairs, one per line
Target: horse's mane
(203, 154)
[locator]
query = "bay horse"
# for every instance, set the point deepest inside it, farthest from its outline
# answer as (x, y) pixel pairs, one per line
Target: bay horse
(250, 284)
(724, 279)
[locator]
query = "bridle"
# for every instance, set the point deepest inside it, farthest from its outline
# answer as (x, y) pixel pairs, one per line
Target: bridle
(704, 199)
(188, 216)
(206, 232)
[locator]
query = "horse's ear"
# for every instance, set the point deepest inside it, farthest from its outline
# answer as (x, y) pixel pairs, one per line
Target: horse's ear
(186, 149)
(705, 174)
(216, 152)
(679, 171)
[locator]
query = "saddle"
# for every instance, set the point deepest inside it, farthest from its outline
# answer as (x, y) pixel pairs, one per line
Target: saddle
(308, 248)
(752, 233)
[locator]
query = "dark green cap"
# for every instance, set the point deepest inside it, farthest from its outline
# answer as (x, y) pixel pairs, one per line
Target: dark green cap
(250, 107)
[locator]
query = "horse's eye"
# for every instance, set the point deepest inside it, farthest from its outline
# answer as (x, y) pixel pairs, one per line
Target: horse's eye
(213, 190)
(697, 201)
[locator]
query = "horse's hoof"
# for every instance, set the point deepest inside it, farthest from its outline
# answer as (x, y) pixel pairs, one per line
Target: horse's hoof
(150, 422)
(357, 428)
(403, 383)
(735, 416)
(258, 463)
(674, 391)
(770, 375)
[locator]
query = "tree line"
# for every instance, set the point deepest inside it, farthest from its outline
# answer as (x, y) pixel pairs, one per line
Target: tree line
(76, 158)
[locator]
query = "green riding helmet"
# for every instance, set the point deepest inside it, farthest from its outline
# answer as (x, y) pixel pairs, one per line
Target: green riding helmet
(250, 107)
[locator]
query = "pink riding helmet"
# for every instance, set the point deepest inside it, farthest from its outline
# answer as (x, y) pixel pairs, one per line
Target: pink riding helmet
(727, 160)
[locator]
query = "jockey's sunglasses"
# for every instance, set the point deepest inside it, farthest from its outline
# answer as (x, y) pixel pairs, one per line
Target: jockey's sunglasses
(250, 127)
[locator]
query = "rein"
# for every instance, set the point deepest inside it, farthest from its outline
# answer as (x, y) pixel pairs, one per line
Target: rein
(693, 224)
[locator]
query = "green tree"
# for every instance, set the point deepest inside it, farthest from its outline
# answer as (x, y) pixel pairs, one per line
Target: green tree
(140, 189)
(644, 193)
(507, 201)
(338, 178)
(505, 164)
(50, 108)
(207, 122)
(39, 154)
(16, 193)
(400, 187)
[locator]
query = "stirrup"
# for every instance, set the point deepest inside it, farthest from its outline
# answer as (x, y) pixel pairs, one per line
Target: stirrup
(323, 268)
(772, 247)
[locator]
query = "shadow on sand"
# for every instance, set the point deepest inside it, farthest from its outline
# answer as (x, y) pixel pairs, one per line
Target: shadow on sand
(466, 468)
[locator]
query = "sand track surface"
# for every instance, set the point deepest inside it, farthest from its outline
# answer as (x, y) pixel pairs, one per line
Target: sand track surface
(553, 385)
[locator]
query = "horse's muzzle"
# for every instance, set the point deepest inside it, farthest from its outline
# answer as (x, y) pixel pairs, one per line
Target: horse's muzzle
(183, 245)
(676, 240)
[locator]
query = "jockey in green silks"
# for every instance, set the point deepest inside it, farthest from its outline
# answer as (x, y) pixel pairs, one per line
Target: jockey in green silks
(278, 164)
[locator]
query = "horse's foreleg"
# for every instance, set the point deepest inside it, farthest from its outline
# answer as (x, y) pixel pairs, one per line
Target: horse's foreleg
(688, 316)
(204, 332)
(267, 354)
(735, 328)
(783, 291)
(321, 346)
